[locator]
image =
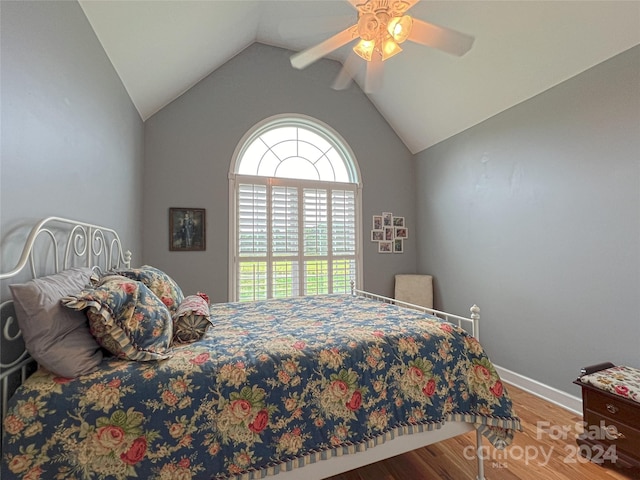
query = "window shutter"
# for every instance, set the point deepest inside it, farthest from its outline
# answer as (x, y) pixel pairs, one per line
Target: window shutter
(343, 237)
(285, 240)
(316, 231)
(252, 242)
(252, 220)
(343, 222)
(284, 220)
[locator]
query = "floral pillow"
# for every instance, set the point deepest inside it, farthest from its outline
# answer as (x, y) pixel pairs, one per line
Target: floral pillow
(165, 288)
(192, 319)
(126, 318)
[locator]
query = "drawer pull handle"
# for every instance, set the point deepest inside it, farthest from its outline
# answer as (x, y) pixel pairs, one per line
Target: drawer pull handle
(614, 434)
(612, 408)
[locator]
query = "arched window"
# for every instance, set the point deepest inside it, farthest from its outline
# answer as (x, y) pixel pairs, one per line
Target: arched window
(295, 211)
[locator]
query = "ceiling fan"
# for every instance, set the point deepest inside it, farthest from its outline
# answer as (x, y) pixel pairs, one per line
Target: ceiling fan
(381, 27)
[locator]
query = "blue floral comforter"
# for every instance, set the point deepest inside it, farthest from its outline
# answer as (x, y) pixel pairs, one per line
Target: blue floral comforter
(272, 385)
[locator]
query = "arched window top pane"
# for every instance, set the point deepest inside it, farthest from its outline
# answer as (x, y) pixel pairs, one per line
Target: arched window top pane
(296, 147)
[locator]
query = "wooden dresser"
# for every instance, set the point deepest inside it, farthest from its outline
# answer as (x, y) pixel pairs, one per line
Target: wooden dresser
(612, 422)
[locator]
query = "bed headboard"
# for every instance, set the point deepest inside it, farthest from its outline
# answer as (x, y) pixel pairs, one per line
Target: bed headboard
(54, 244)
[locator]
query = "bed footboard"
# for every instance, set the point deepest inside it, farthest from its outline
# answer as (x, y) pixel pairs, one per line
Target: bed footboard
(470, 323)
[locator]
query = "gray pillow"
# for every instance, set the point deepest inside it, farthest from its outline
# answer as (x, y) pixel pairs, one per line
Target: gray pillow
(56, 337)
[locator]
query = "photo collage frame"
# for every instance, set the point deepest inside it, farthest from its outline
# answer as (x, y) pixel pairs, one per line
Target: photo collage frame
(390, 232)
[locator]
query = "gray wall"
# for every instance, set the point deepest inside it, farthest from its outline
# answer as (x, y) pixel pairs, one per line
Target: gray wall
(190, 143)
(535, 216)
(72, 141)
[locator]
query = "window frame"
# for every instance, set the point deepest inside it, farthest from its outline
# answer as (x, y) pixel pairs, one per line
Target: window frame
(314, 125)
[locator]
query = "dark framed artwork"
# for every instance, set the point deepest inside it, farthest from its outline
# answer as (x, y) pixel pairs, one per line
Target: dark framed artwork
(187, 229)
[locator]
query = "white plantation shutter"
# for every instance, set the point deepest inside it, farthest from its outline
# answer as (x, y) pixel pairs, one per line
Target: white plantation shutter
(295, 215)
(285, 277)
(252, 220)
(316, 236)
(316, 241)
(252, 241)
(344, 238)
(343, 222)
(284, 218)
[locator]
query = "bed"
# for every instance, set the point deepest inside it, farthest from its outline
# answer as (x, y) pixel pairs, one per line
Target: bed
(310, 386)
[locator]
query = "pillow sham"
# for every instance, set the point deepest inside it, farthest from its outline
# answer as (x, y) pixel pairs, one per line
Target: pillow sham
(126, 318)
(56, 337)
(191, 320)
(165, 288)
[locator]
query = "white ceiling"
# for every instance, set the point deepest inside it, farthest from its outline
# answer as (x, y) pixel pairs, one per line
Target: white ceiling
(162, 48)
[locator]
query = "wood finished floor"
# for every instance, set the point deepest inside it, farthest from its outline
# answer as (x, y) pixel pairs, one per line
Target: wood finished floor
(556, 459)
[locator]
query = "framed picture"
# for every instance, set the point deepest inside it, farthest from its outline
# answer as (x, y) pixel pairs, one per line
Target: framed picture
(398, 245)
(377, 235)
(385, 247)
(377, 222)
(387, 219)
(187, 229)
(389, 233)
(398, 221)
(402, 232)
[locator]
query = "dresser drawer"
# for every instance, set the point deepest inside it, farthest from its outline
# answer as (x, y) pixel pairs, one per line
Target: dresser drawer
(611, 407)
(624, 437)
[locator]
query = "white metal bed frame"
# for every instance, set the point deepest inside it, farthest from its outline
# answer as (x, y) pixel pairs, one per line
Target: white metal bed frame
(70, 243)
(73, 243)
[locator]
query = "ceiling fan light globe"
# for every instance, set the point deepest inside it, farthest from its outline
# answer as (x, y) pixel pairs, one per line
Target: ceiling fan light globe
(390, 48)
(400, 28)
(364, 49)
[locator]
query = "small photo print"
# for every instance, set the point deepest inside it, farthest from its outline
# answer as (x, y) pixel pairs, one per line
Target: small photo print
(398, 221)
(387, 219)
(398, 245)
(377, 222)
(389, 233)
(377, 235)
(402, 232)
(385, 247)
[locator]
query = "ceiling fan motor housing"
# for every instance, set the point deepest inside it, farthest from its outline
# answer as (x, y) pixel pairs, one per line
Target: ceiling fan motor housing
(375, 17)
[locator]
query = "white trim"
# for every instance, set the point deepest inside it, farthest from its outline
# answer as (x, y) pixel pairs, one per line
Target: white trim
(231, 285)
(550, 394)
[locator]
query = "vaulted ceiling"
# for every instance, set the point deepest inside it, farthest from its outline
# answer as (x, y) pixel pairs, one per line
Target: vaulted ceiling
(162, 48)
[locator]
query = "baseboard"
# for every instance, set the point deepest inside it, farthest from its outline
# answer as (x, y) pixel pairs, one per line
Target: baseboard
(550, 394)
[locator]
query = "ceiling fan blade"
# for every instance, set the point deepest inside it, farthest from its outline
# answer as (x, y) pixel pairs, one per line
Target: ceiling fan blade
(347, 72)
(373, 77)
(302, 28)
(410, 3)
(306, 57)
(445, 39)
